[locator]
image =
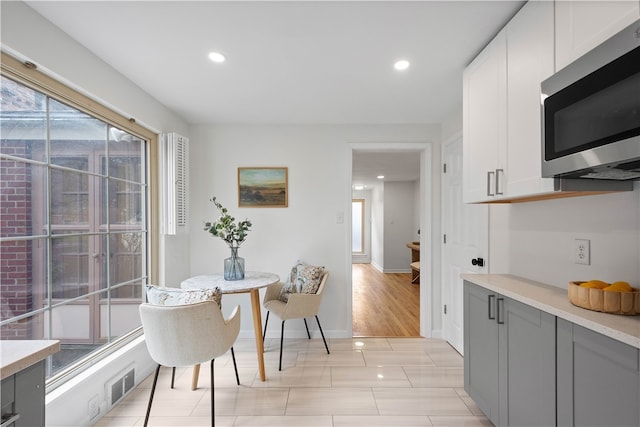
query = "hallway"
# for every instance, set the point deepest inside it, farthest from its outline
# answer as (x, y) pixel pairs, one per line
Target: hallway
(384, 305)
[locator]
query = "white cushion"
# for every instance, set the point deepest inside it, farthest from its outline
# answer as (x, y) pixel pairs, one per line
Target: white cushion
(158, 295)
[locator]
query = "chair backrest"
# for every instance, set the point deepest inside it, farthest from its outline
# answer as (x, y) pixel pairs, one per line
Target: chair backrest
(186, 335)
(304, 305)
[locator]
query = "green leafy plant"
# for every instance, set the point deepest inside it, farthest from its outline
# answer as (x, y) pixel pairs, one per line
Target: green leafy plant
(226, 228)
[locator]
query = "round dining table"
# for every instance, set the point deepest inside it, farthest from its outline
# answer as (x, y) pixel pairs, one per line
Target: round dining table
(252, 282)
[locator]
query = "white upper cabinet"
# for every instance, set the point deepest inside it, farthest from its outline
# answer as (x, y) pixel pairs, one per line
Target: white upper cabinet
(483, 116)
(501, 109)
(582, 25)
(529, 62)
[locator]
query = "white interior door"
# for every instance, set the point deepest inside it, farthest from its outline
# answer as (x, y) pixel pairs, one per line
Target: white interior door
(465, 241)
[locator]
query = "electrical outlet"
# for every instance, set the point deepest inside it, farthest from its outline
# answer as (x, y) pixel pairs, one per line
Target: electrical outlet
(94, 407)
(582, 252)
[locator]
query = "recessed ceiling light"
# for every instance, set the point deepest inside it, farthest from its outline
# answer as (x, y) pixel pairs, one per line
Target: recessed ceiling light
(217, 57)
(380, 177)
(401, 65)
(358, 187)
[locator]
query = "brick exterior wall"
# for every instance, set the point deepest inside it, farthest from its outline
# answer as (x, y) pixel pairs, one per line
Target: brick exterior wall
(16, 275)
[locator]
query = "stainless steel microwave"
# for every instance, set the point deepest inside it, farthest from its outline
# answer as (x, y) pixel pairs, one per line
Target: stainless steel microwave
(591, 113)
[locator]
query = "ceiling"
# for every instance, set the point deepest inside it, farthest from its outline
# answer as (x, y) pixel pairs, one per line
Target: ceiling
(290, 62)
(393, 165)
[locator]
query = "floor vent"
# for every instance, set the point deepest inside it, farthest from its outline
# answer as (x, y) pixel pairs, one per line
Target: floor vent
(122, 384)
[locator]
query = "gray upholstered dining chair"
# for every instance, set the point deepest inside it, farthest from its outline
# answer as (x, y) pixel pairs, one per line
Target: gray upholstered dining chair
(186, 335)
(296, 305)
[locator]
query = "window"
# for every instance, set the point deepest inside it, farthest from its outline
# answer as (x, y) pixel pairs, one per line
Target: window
(74, 222)
(357, 227)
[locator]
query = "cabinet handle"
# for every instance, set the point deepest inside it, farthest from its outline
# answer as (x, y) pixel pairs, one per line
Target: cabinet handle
(489, 186)
(498, 173)
(491, 297)
(500, 309)
(9, 419)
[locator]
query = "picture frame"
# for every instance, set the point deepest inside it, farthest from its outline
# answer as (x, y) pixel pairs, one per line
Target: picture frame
(263, 187)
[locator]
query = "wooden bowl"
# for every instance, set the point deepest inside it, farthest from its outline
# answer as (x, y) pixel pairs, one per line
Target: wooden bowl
(627, 303)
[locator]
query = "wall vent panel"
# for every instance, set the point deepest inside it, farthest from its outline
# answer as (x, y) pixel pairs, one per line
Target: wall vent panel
(174, 179)
(120, 385)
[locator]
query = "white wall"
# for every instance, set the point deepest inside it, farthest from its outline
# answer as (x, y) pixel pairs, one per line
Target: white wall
(418, 198)
(399, 226)
(540, 238)
(319, 191)
(452, 125)
(377, 228)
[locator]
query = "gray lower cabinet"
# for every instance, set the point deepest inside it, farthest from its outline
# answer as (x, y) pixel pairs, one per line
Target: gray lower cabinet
(481, 350)
(598, 379)
(509, 359)
(23, 397)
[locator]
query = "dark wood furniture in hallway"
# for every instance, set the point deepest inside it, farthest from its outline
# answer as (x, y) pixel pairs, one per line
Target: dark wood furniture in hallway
(384, 305)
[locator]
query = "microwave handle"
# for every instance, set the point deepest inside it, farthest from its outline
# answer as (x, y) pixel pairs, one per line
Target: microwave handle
(499, 172)
(489, 186)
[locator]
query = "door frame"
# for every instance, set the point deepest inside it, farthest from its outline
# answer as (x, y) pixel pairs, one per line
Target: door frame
(430, 295)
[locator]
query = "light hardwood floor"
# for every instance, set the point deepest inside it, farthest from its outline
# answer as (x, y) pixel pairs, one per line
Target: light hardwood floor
(384, 305)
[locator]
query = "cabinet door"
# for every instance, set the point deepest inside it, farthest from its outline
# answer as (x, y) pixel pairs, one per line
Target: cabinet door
(484, 115)
(598, 379)
(29, 395)
(582, 25)
(530, 60)
(527, 365)
(481, 349)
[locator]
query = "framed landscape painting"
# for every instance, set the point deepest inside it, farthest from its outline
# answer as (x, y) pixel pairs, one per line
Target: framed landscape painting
(263, 187)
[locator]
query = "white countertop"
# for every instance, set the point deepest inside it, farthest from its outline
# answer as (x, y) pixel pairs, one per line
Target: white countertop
(16, 355)
(555, 301)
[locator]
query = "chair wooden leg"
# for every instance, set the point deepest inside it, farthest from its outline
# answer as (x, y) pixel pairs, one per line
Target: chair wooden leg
(322, 333)
(235, 366)
(213, 406)
(265, 326)
(194, 376)
(307, 327)
(281, 341)
(173, 376)
(153, 389)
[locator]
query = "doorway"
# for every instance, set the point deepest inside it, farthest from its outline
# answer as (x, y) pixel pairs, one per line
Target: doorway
(399, 273)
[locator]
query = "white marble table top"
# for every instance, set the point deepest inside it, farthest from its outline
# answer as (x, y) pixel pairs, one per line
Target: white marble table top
(252, 280)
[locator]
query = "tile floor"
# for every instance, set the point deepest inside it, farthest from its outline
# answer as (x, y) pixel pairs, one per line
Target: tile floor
(363, 382)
